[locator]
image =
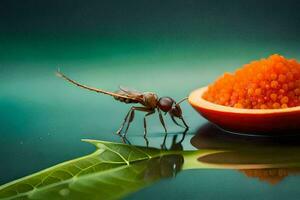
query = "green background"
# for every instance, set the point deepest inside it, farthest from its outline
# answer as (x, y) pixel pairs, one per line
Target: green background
(169, 47)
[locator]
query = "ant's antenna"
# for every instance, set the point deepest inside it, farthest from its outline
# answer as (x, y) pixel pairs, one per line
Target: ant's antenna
(182, 100)
(61, 75)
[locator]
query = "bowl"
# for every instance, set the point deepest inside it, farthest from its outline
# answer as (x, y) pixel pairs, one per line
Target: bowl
(247, 121)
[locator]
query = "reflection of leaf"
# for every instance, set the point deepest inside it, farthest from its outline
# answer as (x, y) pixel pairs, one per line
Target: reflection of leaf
(112, 171)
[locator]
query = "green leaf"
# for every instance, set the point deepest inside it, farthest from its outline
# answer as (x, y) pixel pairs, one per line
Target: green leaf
(111, 172)
(115, 170)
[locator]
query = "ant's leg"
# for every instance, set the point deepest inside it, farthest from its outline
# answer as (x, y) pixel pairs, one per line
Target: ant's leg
(146, 141)
(162, 120)
(175, 122)
(183, 135)
(185, 124)
(131, 116)
(124, 140)
(125, 119)
(145, 125)
(163, 145)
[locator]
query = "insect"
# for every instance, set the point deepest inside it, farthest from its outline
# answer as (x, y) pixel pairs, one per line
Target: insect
(149, 103)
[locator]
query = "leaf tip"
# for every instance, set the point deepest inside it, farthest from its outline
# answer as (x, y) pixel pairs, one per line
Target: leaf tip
(93, 142)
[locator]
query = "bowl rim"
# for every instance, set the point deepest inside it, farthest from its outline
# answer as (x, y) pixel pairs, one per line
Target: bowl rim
(196, 100)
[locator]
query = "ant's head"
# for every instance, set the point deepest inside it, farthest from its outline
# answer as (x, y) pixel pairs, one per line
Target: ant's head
(176, 111)
(165, 104)
(168, 105)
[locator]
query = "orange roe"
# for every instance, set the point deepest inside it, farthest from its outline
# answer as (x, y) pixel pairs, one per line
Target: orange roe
(270, 83)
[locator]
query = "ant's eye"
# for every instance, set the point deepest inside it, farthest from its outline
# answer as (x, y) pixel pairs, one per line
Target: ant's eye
(165, 103)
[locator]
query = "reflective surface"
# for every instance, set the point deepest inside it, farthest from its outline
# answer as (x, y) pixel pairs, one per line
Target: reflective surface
(272, 161)
(170, 48)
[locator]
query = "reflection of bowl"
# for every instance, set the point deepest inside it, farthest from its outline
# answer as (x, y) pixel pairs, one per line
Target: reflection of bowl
(247, 152)
(271, 176)
(254, 121)
(269, 159)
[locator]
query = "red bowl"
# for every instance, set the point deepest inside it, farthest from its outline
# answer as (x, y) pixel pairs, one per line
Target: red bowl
(285, 121)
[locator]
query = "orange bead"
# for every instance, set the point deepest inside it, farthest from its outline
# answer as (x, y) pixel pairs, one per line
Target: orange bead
(273, 76)
(284, 100)
(282, 78)
(274, 84)
(273, 97)
(238, 105)
(276, 105)
(257, 91)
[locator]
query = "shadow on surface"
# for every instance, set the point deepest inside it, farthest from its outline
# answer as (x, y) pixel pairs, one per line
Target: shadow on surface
(211, 137)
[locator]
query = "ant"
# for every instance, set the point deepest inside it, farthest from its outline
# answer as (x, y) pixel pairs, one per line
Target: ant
(149, 102)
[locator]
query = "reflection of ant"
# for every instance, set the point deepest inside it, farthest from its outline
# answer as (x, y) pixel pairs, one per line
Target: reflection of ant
(174, 145)
(164, 166)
